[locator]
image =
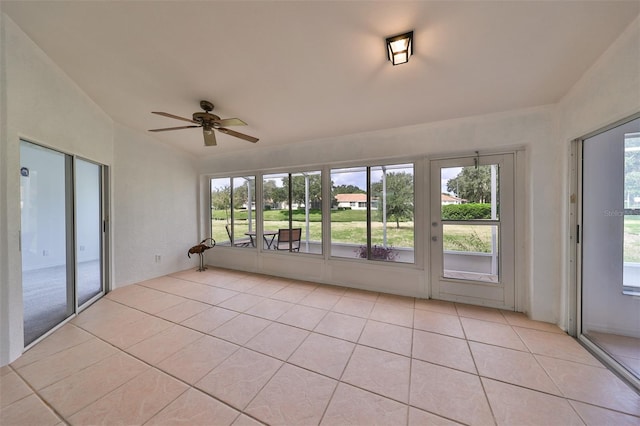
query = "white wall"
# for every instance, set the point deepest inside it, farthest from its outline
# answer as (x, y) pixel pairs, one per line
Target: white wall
(41, 104)
(609, 91)
(153, 187)
(155, 207)
(531, 129)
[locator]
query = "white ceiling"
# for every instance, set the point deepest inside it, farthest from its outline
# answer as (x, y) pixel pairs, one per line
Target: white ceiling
(298, 71)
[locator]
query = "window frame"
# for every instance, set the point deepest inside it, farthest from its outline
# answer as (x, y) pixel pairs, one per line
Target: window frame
(230, 178)
(368, 166)
(290, 174)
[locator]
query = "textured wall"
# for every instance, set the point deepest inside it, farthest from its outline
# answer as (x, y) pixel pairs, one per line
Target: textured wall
(40, 104)
(155, 208)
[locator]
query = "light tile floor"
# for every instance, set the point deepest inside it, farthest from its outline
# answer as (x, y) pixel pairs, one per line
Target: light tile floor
(223, 347)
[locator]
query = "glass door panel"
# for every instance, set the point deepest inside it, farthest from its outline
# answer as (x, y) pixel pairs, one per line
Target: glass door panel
(471, 252)
(469, 205)
(88, 187)
(610, 246)
(47, 282)
(472, 230)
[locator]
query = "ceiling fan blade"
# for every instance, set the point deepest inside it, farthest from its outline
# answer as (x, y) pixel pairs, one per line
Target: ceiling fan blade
(230, 122)
(166, 114)
(209, 137)
(172, 128)
(238, 135)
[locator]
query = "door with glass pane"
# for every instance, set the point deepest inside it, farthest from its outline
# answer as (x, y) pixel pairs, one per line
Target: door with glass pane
(89, 230)
(47, 252)
(62, 236)
(472, 230)
(610, 245)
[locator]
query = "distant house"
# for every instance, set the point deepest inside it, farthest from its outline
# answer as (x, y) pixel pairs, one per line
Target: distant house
(450, 199)
(355, 201)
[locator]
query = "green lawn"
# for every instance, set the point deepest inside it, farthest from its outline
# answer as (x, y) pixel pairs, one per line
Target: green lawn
(632, 239)
(347, 226)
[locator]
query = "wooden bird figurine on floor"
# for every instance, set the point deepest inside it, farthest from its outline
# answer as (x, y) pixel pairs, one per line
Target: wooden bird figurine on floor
(199, 249)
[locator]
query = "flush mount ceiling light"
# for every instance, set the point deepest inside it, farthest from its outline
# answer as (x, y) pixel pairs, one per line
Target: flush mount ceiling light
(400, 48)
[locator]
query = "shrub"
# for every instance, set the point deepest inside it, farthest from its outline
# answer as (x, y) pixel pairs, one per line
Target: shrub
(466, 211)
(377, 252)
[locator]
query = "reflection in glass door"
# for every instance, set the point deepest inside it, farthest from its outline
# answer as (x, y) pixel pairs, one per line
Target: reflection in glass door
(47, 282)
(472, 230)
(88, 186)
(610, 246)
(62, 237)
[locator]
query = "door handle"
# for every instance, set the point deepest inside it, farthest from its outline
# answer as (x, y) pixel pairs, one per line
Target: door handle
(434, 238)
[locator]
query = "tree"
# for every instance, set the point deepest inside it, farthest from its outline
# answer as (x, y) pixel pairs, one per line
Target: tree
(399, 196)
(274, 193)
(298, 189)
(346, 189)
(472, 184)
(241, 194)
(631, 172)
(221, 199)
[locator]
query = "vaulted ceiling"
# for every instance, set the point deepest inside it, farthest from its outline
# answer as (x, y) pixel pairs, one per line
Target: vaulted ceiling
(299, 71)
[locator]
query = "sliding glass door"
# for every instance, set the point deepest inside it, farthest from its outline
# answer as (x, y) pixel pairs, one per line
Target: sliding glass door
(610, 245)
(46, 264)
(88, 211)
(62, 238)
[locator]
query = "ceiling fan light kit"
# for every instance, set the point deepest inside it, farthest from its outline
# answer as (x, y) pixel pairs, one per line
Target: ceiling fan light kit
(209, 122)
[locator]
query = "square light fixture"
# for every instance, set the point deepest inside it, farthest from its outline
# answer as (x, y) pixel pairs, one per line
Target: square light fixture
(400, 48)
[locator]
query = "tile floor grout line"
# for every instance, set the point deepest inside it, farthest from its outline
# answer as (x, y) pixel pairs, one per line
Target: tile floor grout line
(35, 393)
(43, 400)
(339, 380)
(355, 344)
(53, 353)
(413, 333)
(591, 404)
(189, 386)
(411, 358)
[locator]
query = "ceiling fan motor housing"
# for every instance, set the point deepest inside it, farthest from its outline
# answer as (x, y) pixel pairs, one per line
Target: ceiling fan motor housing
(205, 119)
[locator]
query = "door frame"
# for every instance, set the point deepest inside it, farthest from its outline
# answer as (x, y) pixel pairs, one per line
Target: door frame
(575, 289)
(514, 296)
(71, 237)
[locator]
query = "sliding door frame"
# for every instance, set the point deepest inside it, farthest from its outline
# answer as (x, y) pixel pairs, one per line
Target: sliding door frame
(575, 291)
(71, 240)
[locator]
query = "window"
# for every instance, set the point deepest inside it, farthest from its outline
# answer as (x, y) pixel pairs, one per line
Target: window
(631, 256)
(372, 215)
(292, 201)
(233, 211)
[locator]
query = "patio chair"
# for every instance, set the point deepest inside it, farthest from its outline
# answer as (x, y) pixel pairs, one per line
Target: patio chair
(242, 242)
(289, 239)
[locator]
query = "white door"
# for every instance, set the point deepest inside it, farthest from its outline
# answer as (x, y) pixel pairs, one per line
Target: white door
(472, 230)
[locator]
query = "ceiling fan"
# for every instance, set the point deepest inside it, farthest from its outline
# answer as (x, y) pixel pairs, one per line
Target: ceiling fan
(208, 122)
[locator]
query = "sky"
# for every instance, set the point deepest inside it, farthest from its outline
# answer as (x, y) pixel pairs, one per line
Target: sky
(445, 175)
